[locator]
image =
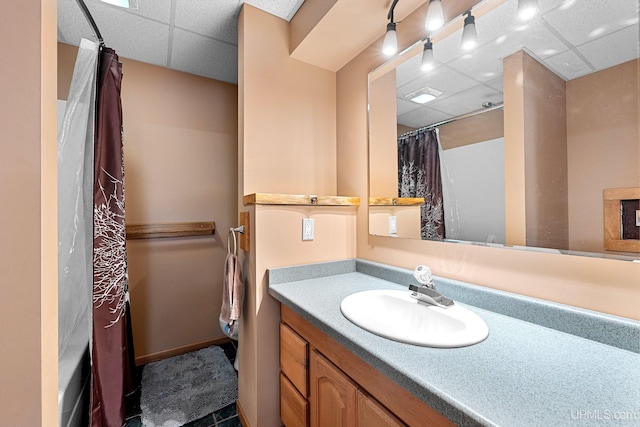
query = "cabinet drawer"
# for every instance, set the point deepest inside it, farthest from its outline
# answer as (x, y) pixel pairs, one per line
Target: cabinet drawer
(294, 409)
(294, 358)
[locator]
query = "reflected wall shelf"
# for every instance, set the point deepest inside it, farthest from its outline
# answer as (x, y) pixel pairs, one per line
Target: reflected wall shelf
(396, 201)
(300, 200)
(175, 229)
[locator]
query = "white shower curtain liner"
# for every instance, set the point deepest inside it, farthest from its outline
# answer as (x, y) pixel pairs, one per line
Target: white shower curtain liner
(75, 197)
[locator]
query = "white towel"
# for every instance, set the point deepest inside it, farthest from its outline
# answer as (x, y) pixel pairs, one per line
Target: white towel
(232, 293)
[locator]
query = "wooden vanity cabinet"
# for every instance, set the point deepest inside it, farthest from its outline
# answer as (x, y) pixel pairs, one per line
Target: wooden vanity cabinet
(322, 384)
(337, 401)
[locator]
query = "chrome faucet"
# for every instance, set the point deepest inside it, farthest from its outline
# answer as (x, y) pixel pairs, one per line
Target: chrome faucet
(426, 292)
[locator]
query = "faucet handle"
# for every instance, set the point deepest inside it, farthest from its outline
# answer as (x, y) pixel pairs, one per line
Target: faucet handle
(422, 274)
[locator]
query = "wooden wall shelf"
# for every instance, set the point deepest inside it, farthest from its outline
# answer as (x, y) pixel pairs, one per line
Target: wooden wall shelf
(300, 200)
(396, 201)
(175, 229)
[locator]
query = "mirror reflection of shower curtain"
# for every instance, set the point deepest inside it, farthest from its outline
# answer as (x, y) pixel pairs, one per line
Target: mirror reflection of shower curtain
(112, 344)
(75, 197)
(419, 176)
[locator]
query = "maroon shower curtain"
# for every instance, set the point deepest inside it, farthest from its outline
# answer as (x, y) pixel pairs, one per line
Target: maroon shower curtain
(419, 176)
(112, 349)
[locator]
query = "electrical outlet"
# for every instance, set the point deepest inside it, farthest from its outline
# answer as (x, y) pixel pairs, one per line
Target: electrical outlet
(307, 228)
(393, 225)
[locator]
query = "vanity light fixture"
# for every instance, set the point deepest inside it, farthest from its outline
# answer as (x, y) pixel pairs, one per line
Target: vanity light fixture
(527, 9)
(469, 34)
(435, 16)
(428, 61)
(390, 44)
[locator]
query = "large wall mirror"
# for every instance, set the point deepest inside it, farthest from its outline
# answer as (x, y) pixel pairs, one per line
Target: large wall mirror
(532, 127)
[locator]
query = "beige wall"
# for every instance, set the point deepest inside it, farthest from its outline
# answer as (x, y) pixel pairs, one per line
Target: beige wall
(536, 146)
(606, 285)
(407, 221)
(28, 265)
(287, 114)
(383, 150)
(483, 127)
(276, 242)
(603, 145)
(180, 147)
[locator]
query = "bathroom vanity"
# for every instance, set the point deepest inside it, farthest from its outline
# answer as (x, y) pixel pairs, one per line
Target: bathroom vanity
(542, 363)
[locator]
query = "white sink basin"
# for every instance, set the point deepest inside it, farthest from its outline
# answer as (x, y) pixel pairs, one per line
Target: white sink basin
(398, 316)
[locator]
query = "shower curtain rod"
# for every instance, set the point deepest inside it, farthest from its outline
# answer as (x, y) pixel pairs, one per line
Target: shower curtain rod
(87, 15)
(454, 119)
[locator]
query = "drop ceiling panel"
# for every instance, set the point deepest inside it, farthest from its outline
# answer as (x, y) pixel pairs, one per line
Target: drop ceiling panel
(496, 22)
(468, 101)
(568, 65)
(197, 16)
(406, 73)
(478, 66)
(582, 21)
(442, 78)
(284, 9)
(613, 49)
(204, 56)
(421, 116)
(170, 33)
(147, 45)
(497, 84)
(403, 106)
(158, 10)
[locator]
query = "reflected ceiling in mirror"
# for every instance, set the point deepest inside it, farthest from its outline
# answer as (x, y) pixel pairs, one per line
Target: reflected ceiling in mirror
(572, 38)
(589, 49)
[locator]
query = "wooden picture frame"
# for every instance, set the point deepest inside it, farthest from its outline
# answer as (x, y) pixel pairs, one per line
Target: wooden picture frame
(612, 199)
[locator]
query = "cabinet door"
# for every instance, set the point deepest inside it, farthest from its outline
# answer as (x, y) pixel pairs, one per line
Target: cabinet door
(372, 414)
(333, 395)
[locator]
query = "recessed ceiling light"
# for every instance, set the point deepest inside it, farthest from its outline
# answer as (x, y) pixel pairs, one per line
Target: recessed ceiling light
(423, 98)
(129, 4)
(423, 95)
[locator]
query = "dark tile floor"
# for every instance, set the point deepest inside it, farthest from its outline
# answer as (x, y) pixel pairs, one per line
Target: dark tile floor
(225, 417)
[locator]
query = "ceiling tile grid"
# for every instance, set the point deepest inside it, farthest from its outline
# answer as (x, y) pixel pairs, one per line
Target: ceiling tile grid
(204, 56)
(211, 18)
(194, 36)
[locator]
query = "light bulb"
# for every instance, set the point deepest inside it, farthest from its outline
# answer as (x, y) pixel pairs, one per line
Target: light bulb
(469, 34)
(527, 9)
(390, 44)
(428, 61)
(435, 16)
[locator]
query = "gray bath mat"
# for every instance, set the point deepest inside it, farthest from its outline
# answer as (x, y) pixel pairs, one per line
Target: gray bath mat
(184, 388)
